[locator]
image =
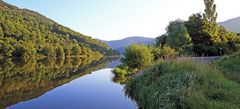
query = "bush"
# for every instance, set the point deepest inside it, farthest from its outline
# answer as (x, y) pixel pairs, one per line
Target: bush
(137, 56)
(120, 72)
(164, 52)
(184, 84)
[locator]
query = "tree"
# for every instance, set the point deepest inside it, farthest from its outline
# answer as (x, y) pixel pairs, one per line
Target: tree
(237, 41)
(1, 32)
(210, 15)
(67, 50)
(60, 52)
(24, 49)
(210, 11)
(161, 40)
(204, 39)
(177, 38)
(76, 50)
(6, 49)
(49, 51)
(137, 56)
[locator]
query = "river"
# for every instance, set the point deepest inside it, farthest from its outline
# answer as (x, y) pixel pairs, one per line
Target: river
(61, 85)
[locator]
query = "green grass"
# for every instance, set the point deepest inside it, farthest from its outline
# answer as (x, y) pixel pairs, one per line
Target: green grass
(230, 63)
(231, 66)
(184, 84)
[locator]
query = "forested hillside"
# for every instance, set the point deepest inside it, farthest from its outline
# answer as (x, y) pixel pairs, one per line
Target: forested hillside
(25, 33)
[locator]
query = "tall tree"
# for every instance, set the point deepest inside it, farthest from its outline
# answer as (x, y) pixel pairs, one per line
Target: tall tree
(200, 31)
(210, 11)
(210, 15)
(178, 36)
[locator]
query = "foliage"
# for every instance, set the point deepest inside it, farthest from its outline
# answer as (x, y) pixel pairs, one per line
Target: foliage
(229, 41)
(177, 34)
(120, 72)
(137, 56)
(202, 38)
(60, 52)
(76, 50)
(121, 80)
(161, 40)
(163, 52)
(200, 35)
(209, 39)
(210, 11)
(177, 37)
(184, 84)
(24, 33)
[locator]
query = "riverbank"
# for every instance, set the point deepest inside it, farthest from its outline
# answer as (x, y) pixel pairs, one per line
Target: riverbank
(184, 84)
(231, 66)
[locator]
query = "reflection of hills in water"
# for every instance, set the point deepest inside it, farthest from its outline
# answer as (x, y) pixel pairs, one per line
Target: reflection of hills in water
(24, 80)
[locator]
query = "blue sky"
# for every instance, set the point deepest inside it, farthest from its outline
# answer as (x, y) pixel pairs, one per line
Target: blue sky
(117, 19)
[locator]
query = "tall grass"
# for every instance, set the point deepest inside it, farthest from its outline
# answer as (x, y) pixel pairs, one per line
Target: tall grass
(230, 63)
(231, 66)
(184, 84)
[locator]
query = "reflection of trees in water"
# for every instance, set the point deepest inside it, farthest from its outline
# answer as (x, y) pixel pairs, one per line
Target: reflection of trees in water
(120, 80)
(21, 80)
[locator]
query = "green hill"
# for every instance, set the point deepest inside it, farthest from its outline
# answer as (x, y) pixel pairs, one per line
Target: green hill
(24, 33)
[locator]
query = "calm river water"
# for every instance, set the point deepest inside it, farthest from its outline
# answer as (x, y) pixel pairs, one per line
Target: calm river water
(69, 84)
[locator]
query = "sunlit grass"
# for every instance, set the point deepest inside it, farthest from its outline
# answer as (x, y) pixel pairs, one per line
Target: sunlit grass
(230, 63)
(183, 83)
(231, 66)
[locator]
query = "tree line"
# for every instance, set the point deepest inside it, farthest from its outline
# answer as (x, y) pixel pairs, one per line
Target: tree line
(200, 35)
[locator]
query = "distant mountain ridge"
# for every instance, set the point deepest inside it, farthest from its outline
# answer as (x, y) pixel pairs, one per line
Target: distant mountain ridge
(232, 25)
(120, 45)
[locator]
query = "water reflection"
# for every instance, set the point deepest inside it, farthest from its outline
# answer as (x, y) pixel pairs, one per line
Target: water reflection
(121, 80)
(22, 80)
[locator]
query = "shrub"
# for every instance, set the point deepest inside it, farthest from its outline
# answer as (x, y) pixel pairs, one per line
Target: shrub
(137, 56)
(120, 72)
(164, 52)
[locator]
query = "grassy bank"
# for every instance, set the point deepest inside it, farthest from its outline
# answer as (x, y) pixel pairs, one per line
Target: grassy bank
(231, 66)
(184, 84)
(230, 63)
